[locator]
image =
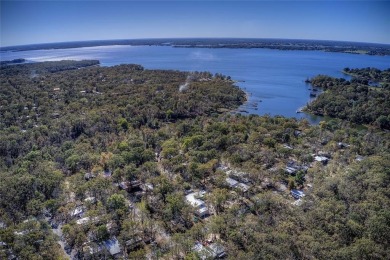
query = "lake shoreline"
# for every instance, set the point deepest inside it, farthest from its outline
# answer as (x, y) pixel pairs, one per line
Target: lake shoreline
(272, 79)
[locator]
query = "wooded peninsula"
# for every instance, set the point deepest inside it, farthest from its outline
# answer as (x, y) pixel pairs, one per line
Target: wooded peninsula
(127, 163)
(365, 99)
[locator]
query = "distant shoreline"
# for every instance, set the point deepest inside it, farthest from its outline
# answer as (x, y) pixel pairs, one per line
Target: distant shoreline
(356, 48)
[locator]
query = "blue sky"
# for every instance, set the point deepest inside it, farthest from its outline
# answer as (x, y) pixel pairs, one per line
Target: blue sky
(25, 22)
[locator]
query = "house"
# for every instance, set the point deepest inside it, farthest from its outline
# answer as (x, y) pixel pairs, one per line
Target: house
(341, 145)
(212, 251)
(201, 251)
(293, 167)
(86, 220)
(235, 184)
(297, 194)
(199, 205)
(324, 160)
(231, 182)
(218, 251)
(147, 187)
(90, 199)
(77, 212)
(113, 246)
(89, 176)
(82, 221)
(359, 158)
(297, 133)
(291, 170)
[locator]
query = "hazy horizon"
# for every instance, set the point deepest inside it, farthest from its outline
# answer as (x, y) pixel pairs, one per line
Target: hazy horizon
(184, 38)
(36, 22)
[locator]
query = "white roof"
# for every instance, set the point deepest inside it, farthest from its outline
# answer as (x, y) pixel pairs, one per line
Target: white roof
(217, 249)
(297, 202)
(82, 220)
(194, 201)
(113, 246)
(203, 210)
(91, 199)
(231, 182)
(298, 193)
(320, 158)
(77, 211)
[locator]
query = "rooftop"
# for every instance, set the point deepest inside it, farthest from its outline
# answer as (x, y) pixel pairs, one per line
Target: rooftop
(297, 194)
(191, 198)
(232, 183)
(112, 246)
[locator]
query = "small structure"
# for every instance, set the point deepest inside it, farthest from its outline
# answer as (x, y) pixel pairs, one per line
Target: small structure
(235, 184)
(291, 170)
(341, 145)
(112, 246)
(359, 158)
(297, 133)
(297, 194)
(147, 187)
(82, 221)
(231, 182)
(86, 220)
(324, 160)
(90, 199)
(199, 205)
(218, 251)
(78, 212)
(201, 251)
(212, 251)
(89, 175)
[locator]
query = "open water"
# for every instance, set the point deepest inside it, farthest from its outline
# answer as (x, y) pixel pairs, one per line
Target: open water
(274, 79)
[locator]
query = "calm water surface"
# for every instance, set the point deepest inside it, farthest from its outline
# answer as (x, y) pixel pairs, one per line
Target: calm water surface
(273, 78)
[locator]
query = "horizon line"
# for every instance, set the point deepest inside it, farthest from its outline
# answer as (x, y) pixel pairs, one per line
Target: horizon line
(182, 38)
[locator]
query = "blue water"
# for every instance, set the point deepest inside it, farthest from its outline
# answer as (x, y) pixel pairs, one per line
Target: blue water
(274, 79)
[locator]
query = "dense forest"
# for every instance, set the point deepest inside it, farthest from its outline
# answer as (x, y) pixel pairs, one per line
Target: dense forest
(127, 163)
(365, 99)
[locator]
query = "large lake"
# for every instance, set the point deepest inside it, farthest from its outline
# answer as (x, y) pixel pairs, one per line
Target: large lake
(274, 78)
